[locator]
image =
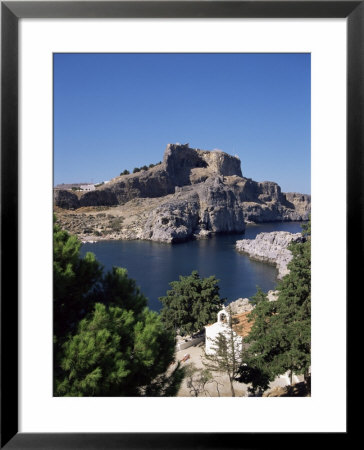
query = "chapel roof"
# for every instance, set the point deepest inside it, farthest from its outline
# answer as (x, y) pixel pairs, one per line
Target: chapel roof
(241, 324)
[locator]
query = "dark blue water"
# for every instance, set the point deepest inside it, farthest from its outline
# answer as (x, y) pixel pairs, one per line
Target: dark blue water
(154, 265)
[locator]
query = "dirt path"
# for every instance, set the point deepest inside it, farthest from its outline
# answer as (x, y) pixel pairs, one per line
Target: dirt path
(221, 385)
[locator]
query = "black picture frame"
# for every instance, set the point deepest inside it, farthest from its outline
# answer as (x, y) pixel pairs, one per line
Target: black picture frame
(11, 12)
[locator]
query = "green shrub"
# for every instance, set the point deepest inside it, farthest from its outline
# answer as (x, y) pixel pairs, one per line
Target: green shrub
(115, 224)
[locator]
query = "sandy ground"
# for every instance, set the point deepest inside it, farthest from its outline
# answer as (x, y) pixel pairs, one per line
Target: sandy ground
(221, 384)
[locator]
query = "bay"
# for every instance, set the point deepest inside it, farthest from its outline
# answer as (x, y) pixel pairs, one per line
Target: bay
(154, 265)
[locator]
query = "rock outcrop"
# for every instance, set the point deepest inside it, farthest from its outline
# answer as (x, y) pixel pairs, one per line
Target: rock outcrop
(272, 295)
(300, 203)
(193, 192)
(240, 306)
(196, 211)
(271, 247)
(65, 199)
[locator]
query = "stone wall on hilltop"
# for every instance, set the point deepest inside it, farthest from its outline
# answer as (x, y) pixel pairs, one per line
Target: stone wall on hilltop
(180, 160)
(222, 163)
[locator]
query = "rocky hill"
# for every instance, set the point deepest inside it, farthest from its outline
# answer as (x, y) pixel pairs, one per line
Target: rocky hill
(192, 193)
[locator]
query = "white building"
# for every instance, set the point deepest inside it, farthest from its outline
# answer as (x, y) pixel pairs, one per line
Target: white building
(87, 187)
(240, 328)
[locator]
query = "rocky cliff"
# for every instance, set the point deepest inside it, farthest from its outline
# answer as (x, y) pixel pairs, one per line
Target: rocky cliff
(242, 305)
(196, 211)
(193, 193)
(271, 247)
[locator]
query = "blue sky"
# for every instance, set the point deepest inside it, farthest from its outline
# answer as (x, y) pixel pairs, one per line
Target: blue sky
(119, 111)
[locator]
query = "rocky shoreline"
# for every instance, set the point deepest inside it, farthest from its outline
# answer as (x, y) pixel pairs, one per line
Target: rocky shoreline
(190, 195)
(271, 248)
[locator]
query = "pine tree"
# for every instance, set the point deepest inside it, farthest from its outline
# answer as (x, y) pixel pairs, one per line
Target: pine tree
(294, 309)
(257, 367)
(106, 341)
(280, 338)
(115, 353)
(191, 303)
(73, 280)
